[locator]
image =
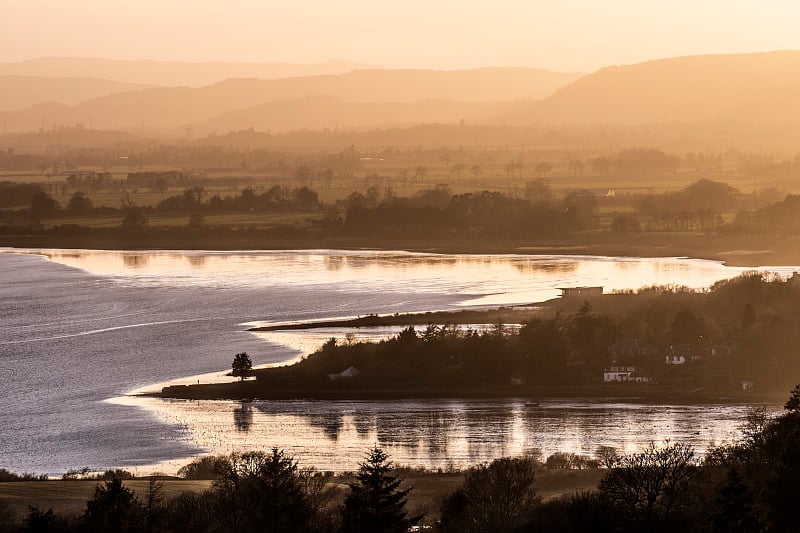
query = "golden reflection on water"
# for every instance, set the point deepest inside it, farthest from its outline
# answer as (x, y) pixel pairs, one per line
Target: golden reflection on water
(480, 279)
(333, 435)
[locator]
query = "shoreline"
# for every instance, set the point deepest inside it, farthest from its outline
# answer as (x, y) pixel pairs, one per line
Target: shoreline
(732, 251)
(626, 393)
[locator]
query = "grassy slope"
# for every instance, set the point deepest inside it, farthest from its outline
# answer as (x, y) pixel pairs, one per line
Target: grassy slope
(428, 489)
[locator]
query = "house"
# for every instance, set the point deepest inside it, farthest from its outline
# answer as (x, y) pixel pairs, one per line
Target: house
(678, 354)
(624, 374)
(580, 292)
(347, 373)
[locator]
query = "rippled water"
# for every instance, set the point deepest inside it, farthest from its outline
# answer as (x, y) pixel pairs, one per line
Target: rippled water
(80, 327)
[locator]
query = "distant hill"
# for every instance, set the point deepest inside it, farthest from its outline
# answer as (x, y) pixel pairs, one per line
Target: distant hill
(73, 137)
(24, 91)
(171, 109)
(734, 89)
(328, 112)
(169, 73)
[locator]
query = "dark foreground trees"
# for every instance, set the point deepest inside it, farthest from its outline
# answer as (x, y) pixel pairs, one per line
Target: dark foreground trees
(376, 504)
(262, 492)
(499, 496)
(114, 508)
(651, 487)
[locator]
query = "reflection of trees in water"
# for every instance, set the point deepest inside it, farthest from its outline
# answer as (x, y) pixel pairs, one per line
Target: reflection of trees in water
(334, 262)
(135, 260)
(487, 430)
(398, 262)
(330, 423)
(626, 265)
(243, 417)
(197, 261)
(363, 424)
(547, 267)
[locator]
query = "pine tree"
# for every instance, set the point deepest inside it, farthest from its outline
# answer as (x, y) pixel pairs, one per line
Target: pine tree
(376, 504)
(113, 507)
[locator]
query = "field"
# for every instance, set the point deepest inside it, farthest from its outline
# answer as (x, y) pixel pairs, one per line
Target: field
(428, 489)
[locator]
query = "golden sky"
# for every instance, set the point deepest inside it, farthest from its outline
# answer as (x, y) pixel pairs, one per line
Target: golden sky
(569, 35)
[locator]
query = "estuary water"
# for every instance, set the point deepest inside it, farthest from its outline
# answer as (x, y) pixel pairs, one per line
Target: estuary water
(80, 329)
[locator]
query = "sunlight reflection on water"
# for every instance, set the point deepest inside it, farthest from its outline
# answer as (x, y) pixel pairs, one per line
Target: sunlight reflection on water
(101, 323)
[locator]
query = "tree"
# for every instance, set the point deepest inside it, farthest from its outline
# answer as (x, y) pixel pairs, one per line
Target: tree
(262, 492)
(134, 219)
(241, 365)
(735, 507)
(8, 518)
(687, 328)
(154, 505)
(499, 496)
(79, 203)
(43, 206)
(113, 508)
(651, 487)
(376, 504)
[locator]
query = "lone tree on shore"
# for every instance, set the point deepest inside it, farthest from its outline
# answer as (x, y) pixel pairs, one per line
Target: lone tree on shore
(376, 504)
(242, 365)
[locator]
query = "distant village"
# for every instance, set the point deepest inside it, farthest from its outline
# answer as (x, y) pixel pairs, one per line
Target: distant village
(645, 361)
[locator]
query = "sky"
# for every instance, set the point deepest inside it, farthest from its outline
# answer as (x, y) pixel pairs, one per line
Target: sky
(565, 35)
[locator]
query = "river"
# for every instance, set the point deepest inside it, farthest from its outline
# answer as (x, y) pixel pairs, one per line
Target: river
(81, 329)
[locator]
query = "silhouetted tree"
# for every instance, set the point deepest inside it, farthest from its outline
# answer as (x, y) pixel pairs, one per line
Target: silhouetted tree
(736, 507)
(499, 496)
(262, 492)
(154, 505)
(241, 365)
(206, 467)
(376, 504)
(650, 488)
(8, 518)
(113, 508)
(133, 218)
(42, 206)
(79, 203)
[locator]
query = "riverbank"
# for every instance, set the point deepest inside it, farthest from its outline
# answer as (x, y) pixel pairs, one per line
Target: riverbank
(250, 390)
(503, 315)
(744, 251)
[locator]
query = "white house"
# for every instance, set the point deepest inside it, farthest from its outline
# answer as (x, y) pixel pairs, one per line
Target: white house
(626, 374)
(347, 373)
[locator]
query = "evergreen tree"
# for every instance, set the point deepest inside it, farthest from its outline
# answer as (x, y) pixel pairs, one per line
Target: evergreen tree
(736, 508)
(376, 504)
(113, 507)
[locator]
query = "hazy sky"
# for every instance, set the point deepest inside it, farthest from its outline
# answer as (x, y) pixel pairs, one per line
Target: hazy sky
(556, 34)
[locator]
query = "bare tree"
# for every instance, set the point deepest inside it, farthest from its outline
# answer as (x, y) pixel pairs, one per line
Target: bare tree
(651, 486)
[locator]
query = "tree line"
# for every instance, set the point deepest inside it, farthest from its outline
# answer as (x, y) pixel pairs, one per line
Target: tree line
(534, 212)
(741, 329)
